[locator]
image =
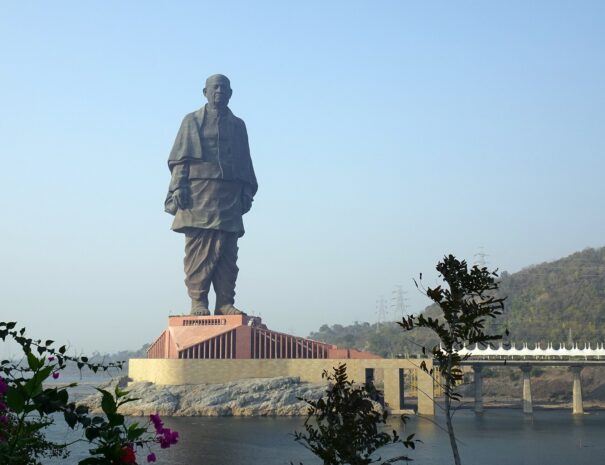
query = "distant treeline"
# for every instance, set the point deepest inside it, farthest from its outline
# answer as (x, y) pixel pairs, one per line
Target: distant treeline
(556, 302)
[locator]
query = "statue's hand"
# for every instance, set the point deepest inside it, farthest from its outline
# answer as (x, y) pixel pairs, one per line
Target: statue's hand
(246, 203)
(182, 197)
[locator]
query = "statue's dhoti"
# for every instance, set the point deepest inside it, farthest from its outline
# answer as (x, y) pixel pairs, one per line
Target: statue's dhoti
(211, 257)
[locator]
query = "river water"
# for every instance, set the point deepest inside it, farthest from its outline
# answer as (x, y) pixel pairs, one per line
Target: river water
(498, 437)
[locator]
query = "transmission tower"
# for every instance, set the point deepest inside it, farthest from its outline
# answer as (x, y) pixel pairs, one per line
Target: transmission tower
(381, 308)
(398, 302)
(480, 258)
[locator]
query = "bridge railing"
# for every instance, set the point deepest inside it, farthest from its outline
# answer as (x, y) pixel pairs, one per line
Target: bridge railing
(575, 351)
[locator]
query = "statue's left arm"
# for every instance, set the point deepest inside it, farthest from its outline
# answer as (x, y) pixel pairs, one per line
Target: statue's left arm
(250, 184)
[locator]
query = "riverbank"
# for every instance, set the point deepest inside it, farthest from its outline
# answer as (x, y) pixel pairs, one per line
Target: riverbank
(515, 404)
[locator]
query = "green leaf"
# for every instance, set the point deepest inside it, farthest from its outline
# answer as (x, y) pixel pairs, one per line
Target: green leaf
(70, 418)
(33, 361)
(32, 386)
(15, 400)
(125, 401)
(108, 403)
(115, 419)
(82, 409)
(135, 433)
(120, 392)
(92, 433)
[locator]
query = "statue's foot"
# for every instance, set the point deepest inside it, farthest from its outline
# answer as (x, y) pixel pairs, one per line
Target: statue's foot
(228, 310)
(199, 308)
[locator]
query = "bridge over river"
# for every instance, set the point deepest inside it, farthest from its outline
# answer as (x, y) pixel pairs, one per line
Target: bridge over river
(575, 357)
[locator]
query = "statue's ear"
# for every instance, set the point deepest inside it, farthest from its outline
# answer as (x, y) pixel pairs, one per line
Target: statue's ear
(204, 92)
(230, 92)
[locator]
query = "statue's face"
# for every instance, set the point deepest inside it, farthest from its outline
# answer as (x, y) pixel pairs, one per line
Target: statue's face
(218, 92)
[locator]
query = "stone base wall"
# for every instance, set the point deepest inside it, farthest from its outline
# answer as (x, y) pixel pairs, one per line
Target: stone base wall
(192, 371)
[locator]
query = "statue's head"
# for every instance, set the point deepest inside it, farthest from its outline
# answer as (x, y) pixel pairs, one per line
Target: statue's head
(218, 91)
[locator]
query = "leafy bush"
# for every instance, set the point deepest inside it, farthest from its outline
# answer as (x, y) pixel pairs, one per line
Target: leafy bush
(27, 408)
(344, 427)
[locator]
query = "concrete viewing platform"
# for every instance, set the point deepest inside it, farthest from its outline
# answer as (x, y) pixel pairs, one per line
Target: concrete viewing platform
(225, 348)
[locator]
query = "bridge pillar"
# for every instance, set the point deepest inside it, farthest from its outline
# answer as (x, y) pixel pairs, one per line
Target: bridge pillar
(478, 388)
(526, 400)
(578, 406)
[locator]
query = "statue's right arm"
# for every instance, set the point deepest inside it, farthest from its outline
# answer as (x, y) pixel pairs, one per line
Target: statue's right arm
(179, 192)
(180, 185)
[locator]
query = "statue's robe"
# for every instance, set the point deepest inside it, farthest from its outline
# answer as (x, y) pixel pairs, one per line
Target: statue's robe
(217, 184)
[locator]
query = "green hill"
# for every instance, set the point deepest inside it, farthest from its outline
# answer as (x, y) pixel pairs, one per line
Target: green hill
(557, 301)
(550, 302)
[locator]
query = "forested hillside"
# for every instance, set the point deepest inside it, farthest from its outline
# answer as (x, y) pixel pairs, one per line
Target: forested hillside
(556, 300)
(550, 302)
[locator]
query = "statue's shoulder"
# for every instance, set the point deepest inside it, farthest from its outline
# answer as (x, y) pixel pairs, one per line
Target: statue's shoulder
(238, 122)
(194, 116)
(191, 122)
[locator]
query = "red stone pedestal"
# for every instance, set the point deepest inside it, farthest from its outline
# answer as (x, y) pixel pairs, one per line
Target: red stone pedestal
(237, 337)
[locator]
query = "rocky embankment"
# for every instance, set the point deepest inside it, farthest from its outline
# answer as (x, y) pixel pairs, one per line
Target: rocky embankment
(252, 397)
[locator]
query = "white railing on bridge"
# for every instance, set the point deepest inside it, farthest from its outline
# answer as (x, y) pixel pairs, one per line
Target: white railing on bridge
(504, 350)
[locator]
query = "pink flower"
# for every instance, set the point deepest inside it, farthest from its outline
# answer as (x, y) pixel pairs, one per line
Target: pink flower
(151, 457)
(55, 375)
(168, 438)
(51, 359)
(164, 436)
(157, 422)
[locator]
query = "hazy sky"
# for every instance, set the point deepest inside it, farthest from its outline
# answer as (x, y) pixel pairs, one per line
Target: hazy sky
(384, 135)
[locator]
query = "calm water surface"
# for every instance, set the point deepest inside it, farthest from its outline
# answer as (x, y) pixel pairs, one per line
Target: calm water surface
(499, 437)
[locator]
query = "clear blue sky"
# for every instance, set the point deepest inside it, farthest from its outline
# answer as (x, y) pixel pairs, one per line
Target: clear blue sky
(384, 135)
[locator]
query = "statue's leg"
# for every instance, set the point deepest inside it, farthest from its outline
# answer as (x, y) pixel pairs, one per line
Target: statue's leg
(201, 257)
(225, 275)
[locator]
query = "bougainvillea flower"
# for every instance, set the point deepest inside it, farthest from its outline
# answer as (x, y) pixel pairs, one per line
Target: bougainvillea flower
(151, 457)
(168, 438)
(55, 375)
(157, 422)
(128, 455)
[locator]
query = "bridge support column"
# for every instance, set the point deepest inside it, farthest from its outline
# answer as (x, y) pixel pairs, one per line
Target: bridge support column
(426, 392)
(392, 392)
(578, 406)
(526, 400)
(478, 388)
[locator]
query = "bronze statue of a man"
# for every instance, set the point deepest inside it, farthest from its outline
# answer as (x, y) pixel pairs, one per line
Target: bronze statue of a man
(212, 186)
